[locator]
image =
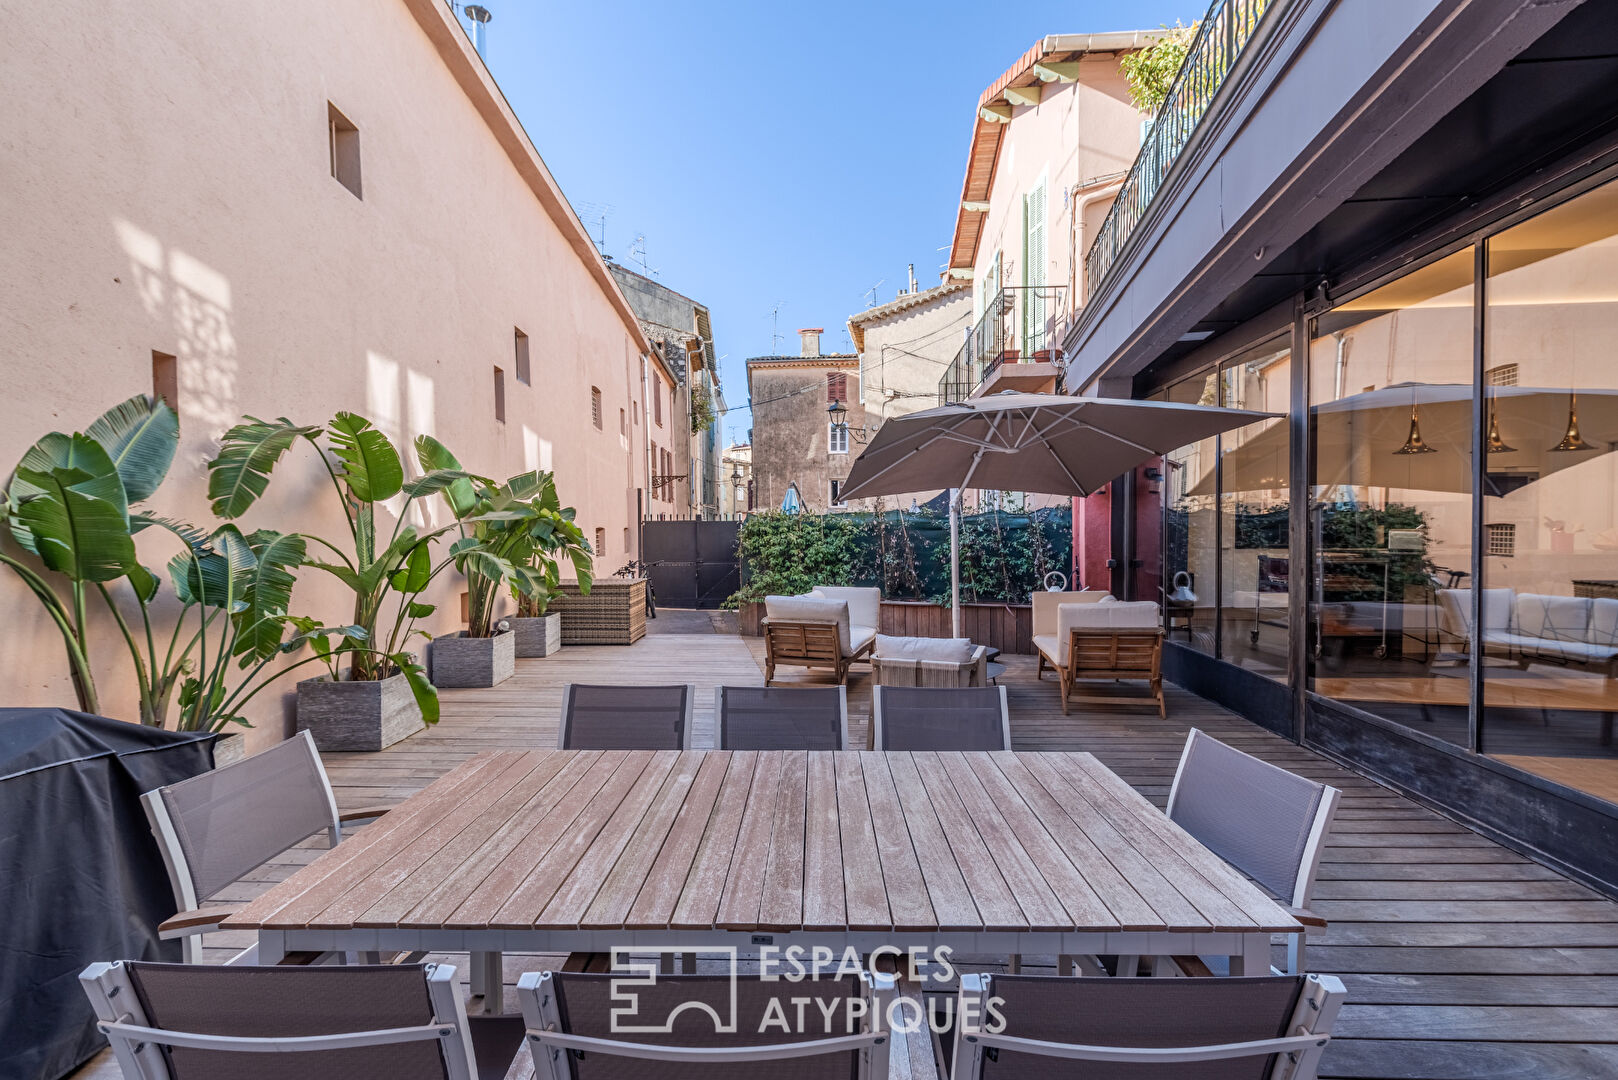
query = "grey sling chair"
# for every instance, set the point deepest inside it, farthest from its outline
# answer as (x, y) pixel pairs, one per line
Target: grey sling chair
(207, 1022)
(625, 717)
(1264, 821)
(1059, 1027)
(781, 717)
(939, 718)
(706, 1027)
(216, 827)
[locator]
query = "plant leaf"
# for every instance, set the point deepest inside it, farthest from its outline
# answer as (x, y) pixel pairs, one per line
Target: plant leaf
(371, 466)
(77, 521)
(416, 676)
(416, 572)
(144, 582)
(434, 456)
(217, 574)
(268, 594)
(247, 454)
(418, 610)
(141, 436)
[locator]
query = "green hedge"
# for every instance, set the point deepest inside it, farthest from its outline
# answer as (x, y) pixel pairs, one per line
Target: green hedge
(1004, 557)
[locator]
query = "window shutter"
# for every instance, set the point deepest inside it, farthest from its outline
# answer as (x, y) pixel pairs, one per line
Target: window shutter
(836, 386)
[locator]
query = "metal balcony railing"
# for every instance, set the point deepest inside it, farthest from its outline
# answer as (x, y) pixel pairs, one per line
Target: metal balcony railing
(1220, 38)
(1019, 324)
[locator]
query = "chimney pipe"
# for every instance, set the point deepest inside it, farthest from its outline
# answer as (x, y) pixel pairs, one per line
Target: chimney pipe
(811, 340)
(480, 22)
(912, 277)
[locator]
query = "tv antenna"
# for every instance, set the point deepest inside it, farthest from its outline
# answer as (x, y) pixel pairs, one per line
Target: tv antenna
(637, 253)
(775, 332)
(871, 292)
(596, 214)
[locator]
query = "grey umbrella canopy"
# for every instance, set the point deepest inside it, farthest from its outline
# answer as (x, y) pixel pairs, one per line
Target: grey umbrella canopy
(1047, 444)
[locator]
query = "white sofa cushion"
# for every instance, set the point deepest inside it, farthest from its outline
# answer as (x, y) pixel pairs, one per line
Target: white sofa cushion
(864, 604)
(1559, 618)
(811, 609)
(860, 636)
(1455, 608)
(1603, 628)
(1118, 615)
(950, 650)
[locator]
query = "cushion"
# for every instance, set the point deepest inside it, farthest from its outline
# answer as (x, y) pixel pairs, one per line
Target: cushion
(1046, 603)
(1603, 621)
(1118, 615)
(864, 604)
(1560, 618)
(811, 609)
(1456, 607)
(952, 650)
(858, 637)
(1046, 643)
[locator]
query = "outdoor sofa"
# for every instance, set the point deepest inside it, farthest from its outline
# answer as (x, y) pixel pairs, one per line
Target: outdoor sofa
(830, 627)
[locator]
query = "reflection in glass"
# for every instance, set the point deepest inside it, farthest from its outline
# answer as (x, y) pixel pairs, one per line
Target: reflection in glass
(1550, 628)
(1391, 420)
(1190, 547)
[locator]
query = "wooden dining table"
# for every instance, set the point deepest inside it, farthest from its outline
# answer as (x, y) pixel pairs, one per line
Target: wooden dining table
(555, 851)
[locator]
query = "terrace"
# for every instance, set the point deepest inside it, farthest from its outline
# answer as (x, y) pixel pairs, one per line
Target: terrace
(1461, 958)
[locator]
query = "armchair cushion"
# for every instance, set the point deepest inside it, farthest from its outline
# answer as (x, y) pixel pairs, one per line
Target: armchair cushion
(952, 650)
(864, 604)
(1559, 618)
(812, 609)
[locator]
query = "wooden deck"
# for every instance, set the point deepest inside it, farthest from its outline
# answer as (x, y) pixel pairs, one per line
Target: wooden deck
(1462, 959)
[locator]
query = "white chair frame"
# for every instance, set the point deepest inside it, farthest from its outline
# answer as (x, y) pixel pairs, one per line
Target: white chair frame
(1308, 866)
(719, 712)
(545, 1033)
(136, 1044)
(1297, 1053)
(194, 920)
(687, 736)
(876, 714)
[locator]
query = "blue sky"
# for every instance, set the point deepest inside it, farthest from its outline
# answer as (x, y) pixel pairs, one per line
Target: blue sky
(772, 153)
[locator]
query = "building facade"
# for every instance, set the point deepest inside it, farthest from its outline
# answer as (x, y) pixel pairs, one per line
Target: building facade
(904, 344)
(798, 445)
(736, 481)
(1409, 564)
(257, 212)
(688, 405)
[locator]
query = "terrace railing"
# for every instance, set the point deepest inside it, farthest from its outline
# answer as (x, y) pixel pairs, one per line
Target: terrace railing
(1218, 43)
(1018, 324)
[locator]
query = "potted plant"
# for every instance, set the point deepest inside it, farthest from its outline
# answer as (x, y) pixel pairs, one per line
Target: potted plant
(556, 536)
(73, 501)
(507, 529)
(374, 692)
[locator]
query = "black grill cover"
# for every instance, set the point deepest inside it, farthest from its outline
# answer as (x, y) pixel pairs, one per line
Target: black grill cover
(81, 878)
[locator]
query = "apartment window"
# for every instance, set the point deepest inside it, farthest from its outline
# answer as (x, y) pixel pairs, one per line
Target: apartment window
(1502, 538)
(524, 375)
(601, 541)
(1503, 375)
(344, 144)
(668, 474)
(837, 438)
(166, 379)
(837, 493)
(836, 386)
(500, 395)
(595, 406)
(626, 540)
(623, 422)
(657, 401)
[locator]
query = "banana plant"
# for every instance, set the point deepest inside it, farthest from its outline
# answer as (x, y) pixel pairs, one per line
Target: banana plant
(68, 504)
(555, 536)
(386, 573)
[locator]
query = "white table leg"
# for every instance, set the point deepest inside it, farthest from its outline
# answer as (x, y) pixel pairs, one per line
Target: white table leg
(487, 977)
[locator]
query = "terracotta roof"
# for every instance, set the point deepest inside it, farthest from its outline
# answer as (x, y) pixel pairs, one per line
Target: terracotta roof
(984, 154)
(906, 301)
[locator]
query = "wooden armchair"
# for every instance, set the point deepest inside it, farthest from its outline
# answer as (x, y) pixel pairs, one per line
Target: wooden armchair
(1107, 641)
(812, 632)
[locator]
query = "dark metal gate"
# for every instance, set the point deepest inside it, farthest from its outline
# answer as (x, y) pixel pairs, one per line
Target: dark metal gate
(692, 564)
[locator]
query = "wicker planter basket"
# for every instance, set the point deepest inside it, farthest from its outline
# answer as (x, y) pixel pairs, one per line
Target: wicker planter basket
(613, 614)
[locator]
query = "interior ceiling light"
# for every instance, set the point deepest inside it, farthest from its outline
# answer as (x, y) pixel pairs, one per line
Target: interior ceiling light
(1571, 439)
(1413, 441)
(1497, 445)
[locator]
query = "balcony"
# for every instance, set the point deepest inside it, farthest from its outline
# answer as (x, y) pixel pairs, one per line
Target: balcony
(1012, 347)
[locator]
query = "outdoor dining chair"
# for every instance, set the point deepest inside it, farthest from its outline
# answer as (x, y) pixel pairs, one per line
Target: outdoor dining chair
(1268, 823)
(939, 718)
(717, 1027)
(1056, 1027)
(625, 717)
(202, 1021)
(781, 717)
(215, 827)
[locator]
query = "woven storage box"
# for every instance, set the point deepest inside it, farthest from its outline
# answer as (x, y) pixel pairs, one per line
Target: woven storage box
(613, 614)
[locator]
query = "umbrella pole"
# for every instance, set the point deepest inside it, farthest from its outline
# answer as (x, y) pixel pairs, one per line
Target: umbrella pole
(955, 562)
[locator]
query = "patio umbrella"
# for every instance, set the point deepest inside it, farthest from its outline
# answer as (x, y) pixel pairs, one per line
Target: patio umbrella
(1418, 437)
(1045, 444)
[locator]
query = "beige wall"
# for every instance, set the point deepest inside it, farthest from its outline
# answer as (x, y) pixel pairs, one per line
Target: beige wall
(1078, 132)
(167, 188)
(906, 353)
(791, 429)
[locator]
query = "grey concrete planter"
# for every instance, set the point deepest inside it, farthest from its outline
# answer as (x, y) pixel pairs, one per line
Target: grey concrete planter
(358, 715)
(229, 748)
(461, 662)
(539, 636)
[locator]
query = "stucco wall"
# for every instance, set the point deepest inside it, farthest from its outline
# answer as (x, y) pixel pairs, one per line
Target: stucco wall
(907, 352)
(791, 428)
(167, 188)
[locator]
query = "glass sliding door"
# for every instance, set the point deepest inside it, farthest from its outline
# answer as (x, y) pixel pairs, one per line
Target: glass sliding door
(1390, 421)
(1550, 512)
(1190, 526)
